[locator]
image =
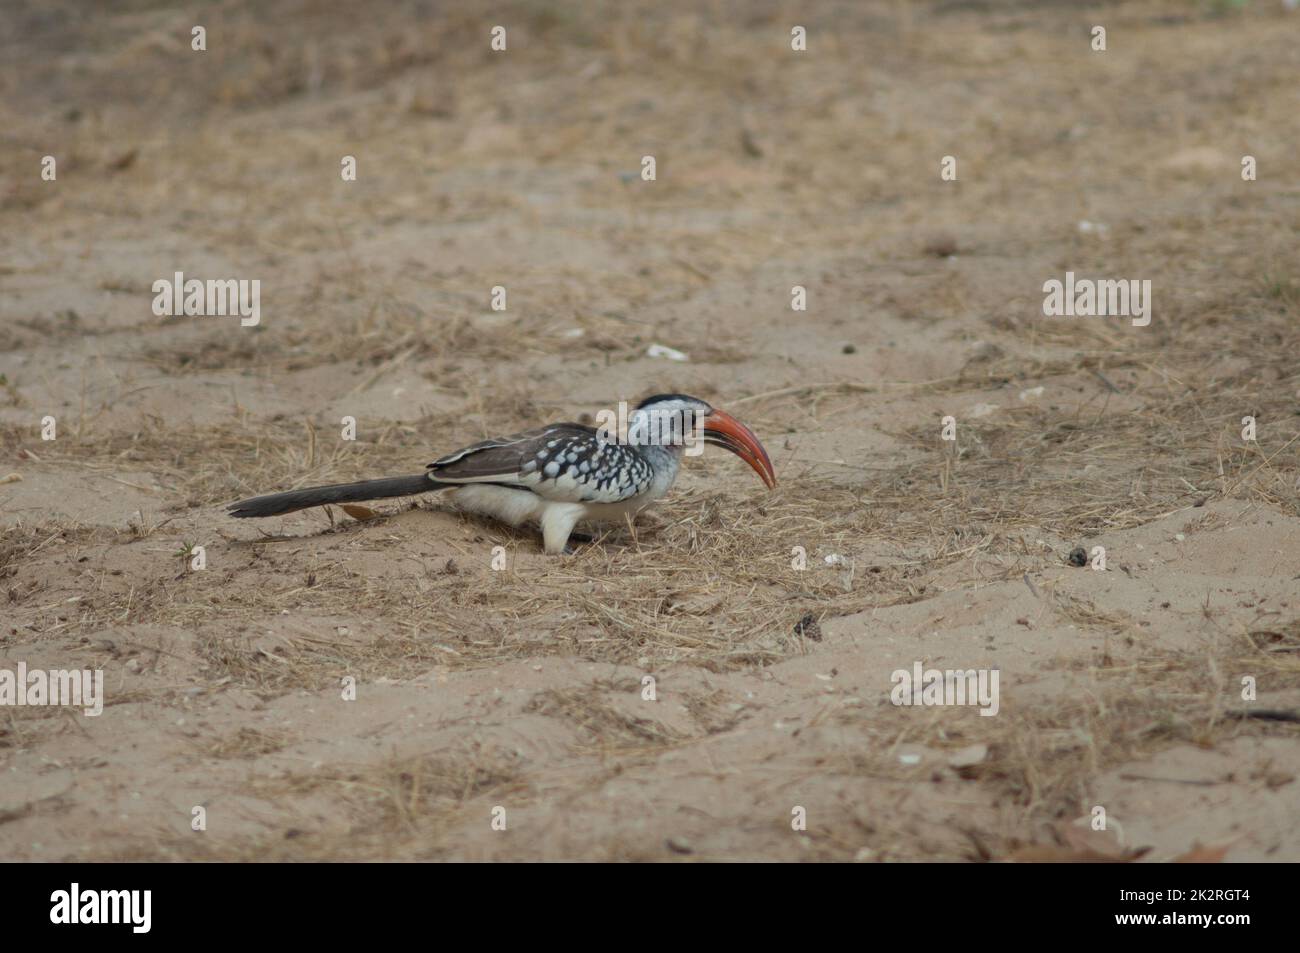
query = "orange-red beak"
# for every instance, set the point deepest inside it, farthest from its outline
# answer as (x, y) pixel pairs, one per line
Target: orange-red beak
(726, 431)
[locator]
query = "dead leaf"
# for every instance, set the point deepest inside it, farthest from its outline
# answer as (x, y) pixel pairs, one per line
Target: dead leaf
(1079, 845)
(1045, 854)
(1202, 855)
(124, 161)
(968, 757)
(359, 512)
(1079, 835)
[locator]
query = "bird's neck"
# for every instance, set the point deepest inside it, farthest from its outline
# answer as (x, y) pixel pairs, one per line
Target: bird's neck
(666, 462)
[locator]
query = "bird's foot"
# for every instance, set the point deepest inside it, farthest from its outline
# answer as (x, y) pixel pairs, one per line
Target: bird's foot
(579, 541)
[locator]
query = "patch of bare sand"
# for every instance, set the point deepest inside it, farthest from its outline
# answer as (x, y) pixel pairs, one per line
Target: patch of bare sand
(713, 767)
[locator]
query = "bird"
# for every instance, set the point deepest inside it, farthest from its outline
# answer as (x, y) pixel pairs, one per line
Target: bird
(559, 475)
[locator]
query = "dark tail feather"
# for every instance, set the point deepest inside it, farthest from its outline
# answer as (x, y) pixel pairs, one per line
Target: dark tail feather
(278, 503)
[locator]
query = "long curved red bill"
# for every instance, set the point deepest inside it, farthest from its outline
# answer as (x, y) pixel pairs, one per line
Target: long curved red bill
(726, 431)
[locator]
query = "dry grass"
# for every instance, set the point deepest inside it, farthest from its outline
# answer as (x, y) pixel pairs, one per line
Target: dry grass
(599, 723)
(712, 582)
(711, 585)
(1043, 759)
(248, 743)
(396, 810)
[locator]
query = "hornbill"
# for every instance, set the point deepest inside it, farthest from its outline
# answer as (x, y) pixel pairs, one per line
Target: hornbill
(559, 475)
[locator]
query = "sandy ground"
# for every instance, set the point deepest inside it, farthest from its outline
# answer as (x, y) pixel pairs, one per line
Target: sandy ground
(517, 693)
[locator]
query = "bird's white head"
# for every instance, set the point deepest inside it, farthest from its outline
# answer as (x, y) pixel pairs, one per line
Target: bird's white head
(666, 420)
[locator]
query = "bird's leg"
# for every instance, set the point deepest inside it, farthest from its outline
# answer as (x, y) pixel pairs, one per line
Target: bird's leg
(583, 539)
(558, 520)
